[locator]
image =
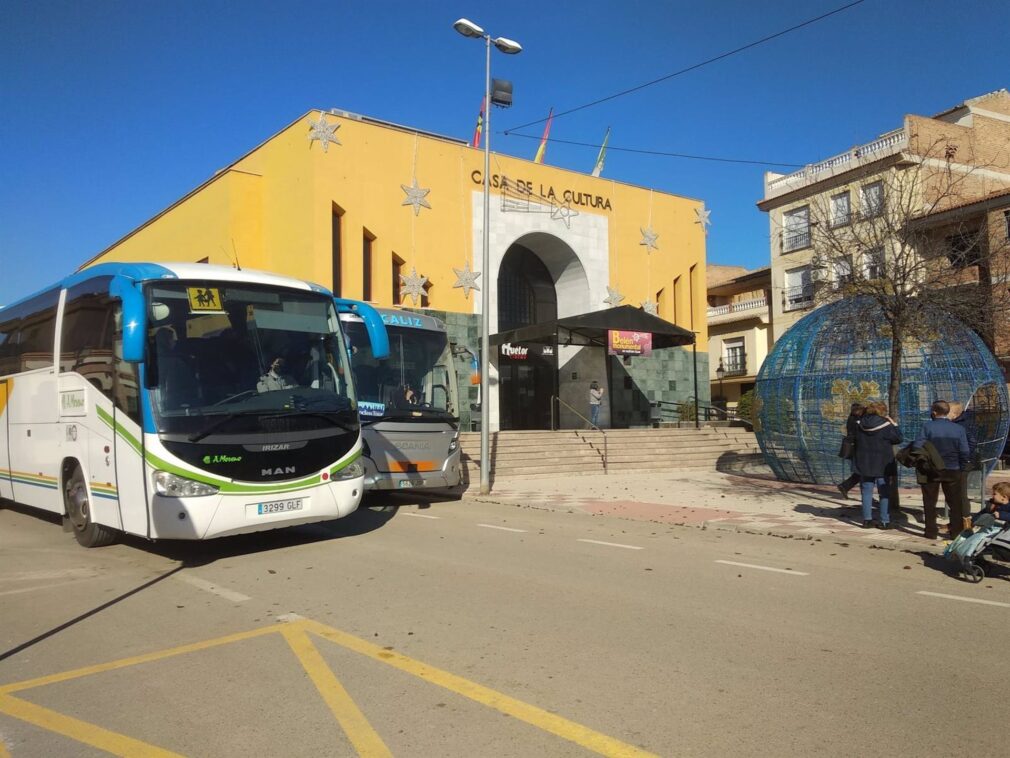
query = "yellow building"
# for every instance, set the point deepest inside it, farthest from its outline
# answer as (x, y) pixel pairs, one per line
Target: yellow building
(394, 216)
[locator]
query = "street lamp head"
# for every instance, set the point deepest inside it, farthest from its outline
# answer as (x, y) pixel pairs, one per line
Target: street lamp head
(508, 46)
(720, 372)
(468, 28)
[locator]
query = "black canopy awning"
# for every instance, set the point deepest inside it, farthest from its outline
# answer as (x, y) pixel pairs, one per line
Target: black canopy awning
(591, 329)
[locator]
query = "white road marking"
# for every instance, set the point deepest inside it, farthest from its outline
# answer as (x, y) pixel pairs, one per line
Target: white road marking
(502, 528)
(764, 568)
(291, 617)
(963, 599)
(214, 589)
(420, 515)
(611, 544)
(34, 576)
(39, 587)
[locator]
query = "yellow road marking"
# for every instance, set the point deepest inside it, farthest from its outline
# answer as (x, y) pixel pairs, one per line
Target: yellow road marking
(361, 734)
(4, 752)
(137, 659)
(538, 717)
(82, 731)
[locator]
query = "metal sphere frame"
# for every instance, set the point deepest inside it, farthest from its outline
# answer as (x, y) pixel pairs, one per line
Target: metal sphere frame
(840, 354)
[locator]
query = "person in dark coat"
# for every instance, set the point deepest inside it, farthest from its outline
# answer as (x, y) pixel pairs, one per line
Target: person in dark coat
(851, 425)
(876, 436)
(965, 420)
(951, 442)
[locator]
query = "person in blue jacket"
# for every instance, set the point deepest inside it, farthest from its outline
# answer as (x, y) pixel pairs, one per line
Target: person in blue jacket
(951, 443)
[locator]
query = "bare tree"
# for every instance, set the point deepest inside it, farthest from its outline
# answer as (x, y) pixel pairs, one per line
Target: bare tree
(921, 245)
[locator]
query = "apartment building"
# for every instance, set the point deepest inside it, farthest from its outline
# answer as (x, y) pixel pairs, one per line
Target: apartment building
(966, 147)
(739, 329)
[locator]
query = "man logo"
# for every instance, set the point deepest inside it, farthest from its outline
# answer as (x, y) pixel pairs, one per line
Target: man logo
(277, 471)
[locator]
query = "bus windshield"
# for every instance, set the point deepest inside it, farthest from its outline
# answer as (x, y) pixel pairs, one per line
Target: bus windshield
(242, 350)
(414, 384)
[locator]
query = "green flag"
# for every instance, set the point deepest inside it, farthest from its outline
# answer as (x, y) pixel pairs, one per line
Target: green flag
(598, 168)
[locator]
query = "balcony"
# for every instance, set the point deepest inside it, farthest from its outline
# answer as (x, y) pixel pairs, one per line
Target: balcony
(746, 309)
(735, 365)
(883, 146)
(797, 298)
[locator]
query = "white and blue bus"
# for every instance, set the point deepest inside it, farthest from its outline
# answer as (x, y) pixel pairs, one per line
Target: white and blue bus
(180, 401)
(408, 403)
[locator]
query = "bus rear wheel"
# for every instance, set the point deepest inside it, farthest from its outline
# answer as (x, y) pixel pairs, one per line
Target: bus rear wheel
(78, 505)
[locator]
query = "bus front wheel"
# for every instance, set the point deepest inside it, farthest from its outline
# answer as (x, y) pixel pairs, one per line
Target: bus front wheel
(78, 505)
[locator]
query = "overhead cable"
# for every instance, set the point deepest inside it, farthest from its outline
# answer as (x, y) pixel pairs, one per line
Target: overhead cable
(692, 67)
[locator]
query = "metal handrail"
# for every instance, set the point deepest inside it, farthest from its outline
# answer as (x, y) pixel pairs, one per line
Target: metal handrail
(591, 425)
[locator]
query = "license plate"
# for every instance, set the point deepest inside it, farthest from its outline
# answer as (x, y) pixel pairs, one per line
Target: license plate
(277, 506)
(405, 484)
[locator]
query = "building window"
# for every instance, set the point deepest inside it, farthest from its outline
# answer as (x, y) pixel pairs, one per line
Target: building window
(963, 249)
(366, 265)
(690, 292)
(1006, 223)
(204, 260)
(660, 311)
(840, 209)
(676, 300)
(397, 273)
(798, 291)
(734, 359)
(336, 248)
(426, 295)
(871, 200)
(873, 263)
(796, 229)
(842, 270)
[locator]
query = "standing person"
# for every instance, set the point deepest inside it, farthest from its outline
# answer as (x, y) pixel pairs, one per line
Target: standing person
(963, 419)
(876, 436)
(851, 427)
(595, 400)
(951, 443)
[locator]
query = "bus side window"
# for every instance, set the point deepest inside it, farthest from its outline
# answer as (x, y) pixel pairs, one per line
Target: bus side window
(86, 347)
(9, 361)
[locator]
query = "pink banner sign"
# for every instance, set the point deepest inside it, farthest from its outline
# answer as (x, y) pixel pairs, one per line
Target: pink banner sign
(629, 343)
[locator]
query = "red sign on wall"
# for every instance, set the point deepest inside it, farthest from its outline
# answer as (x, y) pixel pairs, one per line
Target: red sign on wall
(629, 343)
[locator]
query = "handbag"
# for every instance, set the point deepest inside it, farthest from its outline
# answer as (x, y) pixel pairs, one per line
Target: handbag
(847, 449)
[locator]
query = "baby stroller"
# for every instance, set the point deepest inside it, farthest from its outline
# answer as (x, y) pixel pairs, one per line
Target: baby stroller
(988, 539)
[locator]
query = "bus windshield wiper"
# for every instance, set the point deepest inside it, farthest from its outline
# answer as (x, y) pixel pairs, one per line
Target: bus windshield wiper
(216, 424)
(316, 414)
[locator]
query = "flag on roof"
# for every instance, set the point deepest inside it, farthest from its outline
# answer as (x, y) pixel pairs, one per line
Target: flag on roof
(598, 168)
(480, 124)
(539, 157)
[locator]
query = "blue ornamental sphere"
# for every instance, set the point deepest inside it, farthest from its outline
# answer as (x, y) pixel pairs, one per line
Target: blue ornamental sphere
(840, 354)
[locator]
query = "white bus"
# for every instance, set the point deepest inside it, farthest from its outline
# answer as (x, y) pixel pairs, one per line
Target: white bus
(180, 401)
(408, 403)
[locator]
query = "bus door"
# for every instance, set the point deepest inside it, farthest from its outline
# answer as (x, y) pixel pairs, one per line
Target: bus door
(6, 489)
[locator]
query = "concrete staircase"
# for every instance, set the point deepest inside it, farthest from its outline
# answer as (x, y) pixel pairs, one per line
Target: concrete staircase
(539, 453)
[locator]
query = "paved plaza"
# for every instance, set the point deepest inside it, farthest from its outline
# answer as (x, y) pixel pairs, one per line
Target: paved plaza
(744, 497)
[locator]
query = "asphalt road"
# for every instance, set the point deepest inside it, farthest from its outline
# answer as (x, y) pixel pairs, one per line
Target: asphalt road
(487, 630)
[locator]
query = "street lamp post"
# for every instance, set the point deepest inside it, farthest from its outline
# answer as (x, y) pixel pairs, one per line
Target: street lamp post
(469, 29)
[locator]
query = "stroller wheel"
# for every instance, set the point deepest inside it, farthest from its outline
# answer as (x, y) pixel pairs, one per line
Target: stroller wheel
(975, 573)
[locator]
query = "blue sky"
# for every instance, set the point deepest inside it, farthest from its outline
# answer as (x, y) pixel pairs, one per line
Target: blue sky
(110, 111)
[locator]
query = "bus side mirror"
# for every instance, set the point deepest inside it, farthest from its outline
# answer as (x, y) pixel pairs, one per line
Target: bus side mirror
(373, 324)
(134, 317)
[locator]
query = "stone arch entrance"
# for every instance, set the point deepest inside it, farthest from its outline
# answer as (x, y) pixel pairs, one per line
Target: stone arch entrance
(540, 279)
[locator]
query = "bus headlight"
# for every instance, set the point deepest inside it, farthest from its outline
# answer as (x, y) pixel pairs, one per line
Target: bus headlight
(171, 485)
(454, 444)
(352, 471)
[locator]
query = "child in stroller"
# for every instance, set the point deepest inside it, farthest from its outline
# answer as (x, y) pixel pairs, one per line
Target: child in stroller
(987, 539)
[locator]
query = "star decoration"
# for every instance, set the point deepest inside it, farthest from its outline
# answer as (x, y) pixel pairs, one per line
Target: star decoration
(320, 130)
(563, 212)
(703, 219)
(413, 285)
(649, 238)
(415, 197)
(466, 279)
(650, 306)
(613, 298)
